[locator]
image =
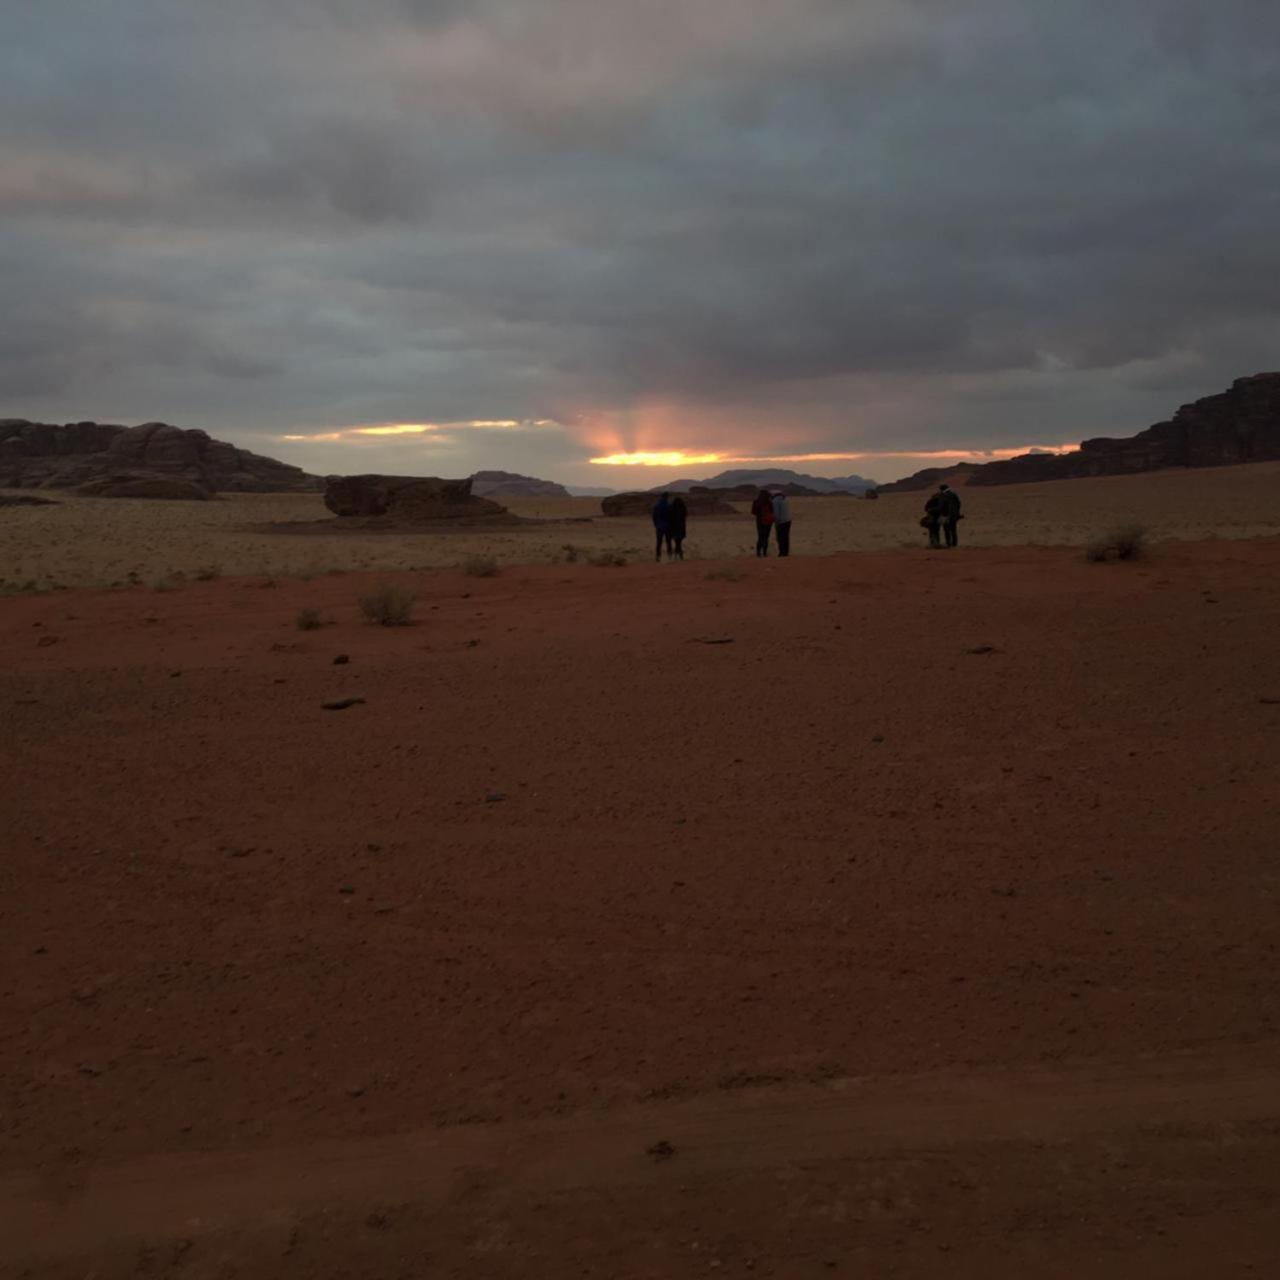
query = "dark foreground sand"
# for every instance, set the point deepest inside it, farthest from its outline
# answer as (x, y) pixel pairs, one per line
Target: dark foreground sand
(931, 920)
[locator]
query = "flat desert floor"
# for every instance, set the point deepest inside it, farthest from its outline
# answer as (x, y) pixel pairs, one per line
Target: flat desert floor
(100, 541)
(879, 914)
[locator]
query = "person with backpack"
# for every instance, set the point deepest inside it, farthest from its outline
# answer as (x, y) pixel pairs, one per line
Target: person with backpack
(762, 509)
(782, 521)
(678, 518)
(662, 526)
(949, 501)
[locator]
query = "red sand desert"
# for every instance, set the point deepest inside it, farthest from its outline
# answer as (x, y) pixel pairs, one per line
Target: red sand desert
(888, 914)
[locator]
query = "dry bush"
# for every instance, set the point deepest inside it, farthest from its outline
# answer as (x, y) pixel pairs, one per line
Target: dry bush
(1130, 541)
(607, 559)
(480, 567)
(309, 620)
(388, 606)
(207, 573)
(1125, 542)
(571, 553)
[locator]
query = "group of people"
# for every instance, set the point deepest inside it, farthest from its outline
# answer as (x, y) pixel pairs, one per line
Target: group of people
(670, 523)
(772, 510)
(941, 515)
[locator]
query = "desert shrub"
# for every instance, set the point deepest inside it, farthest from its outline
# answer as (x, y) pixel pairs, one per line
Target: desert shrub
(606, 559)
(388, 606)
(1130, 541)
(309, 620)
(726, 573)
(164, 584)
(480, 567)
(571, 553)
(1126, 542)
(207, 573)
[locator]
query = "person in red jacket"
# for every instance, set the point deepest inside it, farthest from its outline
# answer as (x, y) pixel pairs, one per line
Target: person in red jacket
(762, 509)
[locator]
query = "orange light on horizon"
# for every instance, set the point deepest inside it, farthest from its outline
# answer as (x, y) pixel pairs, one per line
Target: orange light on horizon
(678, 458)
(396, 429)
(670, 458)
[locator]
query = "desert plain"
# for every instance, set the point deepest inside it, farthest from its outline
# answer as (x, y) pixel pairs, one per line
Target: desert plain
(879, 912)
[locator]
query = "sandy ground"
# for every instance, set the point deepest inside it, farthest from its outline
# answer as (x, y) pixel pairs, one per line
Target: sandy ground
(97, 541)
(923, 905)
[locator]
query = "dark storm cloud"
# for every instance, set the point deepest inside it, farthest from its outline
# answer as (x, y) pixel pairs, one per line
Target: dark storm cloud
(883, 226)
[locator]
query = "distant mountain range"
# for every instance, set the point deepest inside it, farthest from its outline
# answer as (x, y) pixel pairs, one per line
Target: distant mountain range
(768, 476)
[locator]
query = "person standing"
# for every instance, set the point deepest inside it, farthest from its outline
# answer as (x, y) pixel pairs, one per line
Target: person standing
(678, 515)
(950, 501)
(662, 526)
(782, 521)
(762, 509)
(932, 520)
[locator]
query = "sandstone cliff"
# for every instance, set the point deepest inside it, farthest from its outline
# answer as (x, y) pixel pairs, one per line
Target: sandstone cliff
(42, 455)
(1241, 424)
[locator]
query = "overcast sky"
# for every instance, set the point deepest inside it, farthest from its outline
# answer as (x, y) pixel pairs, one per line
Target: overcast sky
(537, 232)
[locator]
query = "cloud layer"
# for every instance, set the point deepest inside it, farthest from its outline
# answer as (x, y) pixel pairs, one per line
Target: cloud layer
(711, 226)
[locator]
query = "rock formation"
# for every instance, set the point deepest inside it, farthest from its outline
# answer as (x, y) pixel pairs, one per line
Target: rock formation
(932, 477)
(700, 503)
(1241, 424)
(508, 484)
(143, 484)
(41, 455)
(1238, 425)
(408, 499)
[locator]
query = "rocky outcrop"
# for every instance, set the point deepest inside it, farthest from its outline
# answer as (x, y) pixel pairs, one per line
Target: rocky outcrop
(145, 485)
(1238, 425)
(1241, 424)
(24, 500)
(932, 477)
(699, 502)
(508, 484)
(408, 499)
(41, 455)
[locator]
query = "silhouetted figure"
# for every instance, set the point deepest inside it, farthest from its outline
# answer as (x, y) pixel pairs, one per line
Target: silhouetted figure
(678, 516)
(662, 526)
(931, 521)
(950, 500)
(782, 521)
(762, 509)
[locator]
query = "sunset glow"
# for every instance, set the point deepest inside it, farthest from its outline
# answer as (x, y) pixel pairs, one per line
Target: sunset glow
(671, 458)
(678, 458)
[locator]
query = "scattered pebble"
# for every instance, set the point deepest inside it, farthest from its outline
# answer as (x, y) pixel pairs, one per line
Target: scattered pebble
(662, 1150)
(341, 660)
(341, 704)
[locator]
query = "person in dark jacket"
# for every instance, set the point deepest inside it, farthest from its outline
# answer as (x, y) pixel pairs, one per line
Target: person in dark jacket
(662, 525)
(950, 501)
(678, 516)
(762, 509)
(782, 522)
(932, 519)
